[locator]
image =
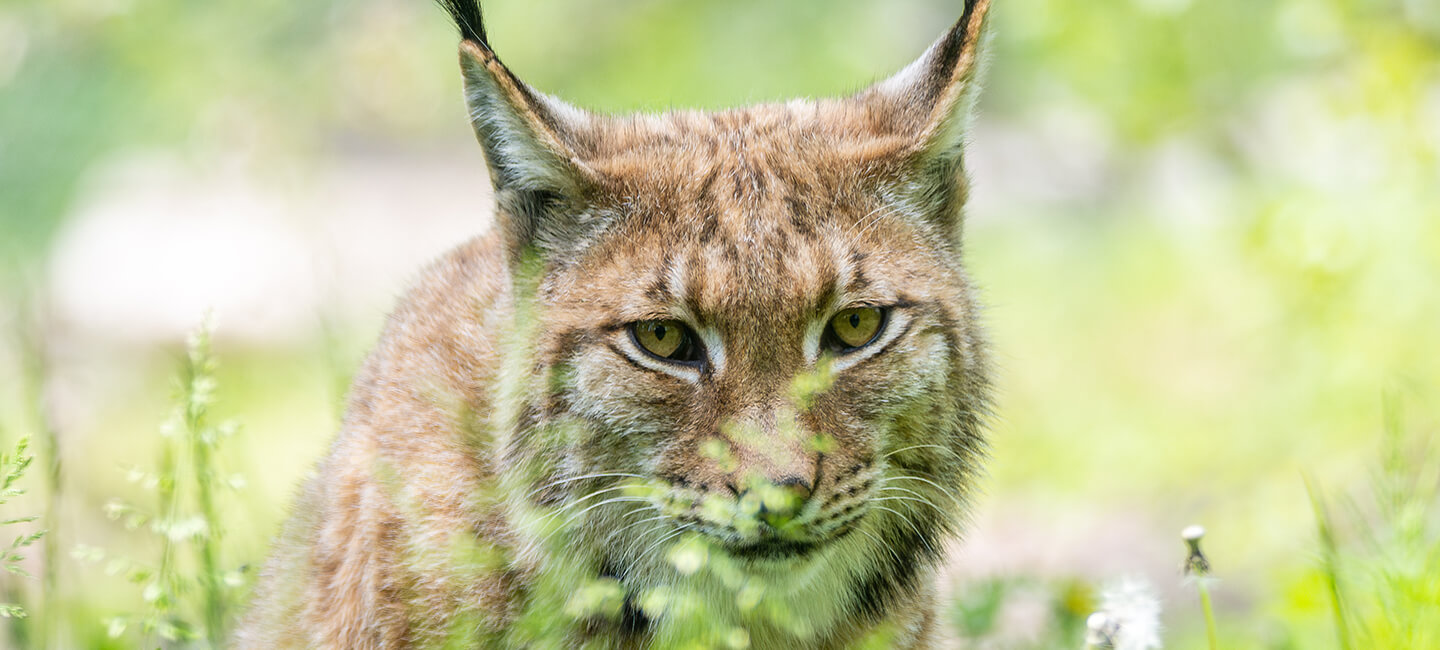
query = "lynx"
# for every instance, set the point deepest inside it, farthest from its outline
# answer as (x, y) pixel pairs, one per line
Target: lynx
(713, 379)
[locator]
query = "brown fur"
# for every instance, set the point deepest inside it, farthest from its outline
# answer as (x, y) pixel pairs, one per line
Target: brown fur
(469, 494)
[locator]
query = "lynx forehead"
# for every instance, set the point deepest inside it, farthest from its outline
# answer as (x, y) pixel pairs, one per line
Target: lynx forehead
(711, 372)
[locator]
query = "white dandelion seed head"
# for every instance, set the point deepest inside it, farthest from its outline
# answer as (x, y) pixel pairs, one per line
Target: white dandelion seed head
(1192, 533)
(1099, 632)
(1132, 610)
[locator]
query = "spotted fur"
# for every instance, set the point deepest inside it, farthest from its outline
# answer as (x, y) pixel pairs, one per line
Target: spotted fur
(508, 445)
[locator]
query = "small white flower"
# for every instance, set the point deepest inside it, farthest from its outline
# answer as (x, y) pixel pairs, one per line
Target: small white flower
(1131, 613)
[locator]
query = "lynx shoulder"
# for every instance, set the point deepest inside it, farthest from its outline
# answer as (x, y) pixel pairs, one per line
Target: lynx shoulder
(712, 380)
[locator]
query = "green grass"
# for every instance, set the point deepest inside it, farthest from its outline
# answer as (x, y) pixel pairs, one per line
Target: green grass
(187, 592)
(1372, 579)
(13, 465)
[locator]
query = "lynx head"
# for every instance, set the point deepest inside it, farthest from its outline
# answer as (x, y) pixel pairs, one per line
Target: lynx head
(750, 324)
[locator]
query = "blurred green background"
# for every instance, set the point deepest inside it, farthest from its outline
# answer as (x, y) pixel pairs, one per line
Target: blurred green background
(1208, 234)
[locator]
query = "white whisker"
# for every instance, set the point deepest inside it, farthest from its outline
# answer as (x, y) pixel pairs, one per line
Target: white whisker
(927, 481)
(572, 479)
(581, 500)
(881, 542)
(640, 539)
(918, 535)
(662, 540)
(564, 525)
(634, 524)
(911, 447)
(937, 508)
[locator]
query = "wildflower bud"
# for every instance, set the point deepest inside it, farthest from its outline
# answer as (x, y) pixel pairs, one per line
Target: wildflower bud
(1195, 563)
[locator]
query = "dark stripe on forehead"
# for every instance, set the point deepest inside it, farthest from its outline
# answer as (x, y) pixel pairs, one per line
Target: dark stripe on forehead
(658, 292)
(694, 279)
(800, 216)
(703, 192)
(709, 227)
(798, 209)
(749, 182)
(829, 277)
(858, 282)
(731, 252)
(775, 240)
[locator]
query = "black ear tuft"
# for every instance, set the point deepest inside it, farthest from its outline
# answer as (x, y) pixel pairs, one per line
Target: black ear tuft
(468, 18)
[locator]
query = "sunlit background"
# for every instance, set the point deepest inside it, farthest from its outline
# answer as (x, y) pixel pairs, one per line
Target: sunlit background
(1208, 234)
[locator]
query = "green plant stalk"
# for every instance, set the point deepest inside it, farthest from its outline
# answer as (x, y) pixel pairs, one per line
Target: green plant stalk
(10, 592)
(50, 564)
(12, 468)
(1211, 633)
(32, 357)
(207, 551)
(1331, 566)
(204, 475)
(168, 512)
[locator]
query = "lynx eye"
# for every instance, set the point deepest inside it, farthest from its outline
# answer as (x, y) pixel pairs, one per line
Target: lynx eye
(669, 340)
(855, 328)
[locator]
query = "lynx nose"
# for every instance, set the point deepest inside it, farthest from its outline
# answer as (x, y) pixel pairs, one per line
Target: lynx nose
(778, 500)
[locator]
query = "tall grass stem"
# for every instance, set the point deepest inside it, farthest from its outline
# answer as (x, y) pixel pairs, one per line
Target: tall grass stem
(1330, 558)
(34, 370)
(199, 373)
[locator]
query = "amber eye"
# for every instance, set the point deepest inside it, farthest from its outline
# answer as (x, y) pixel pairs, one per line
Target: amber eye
(855, 328)
(670, 340)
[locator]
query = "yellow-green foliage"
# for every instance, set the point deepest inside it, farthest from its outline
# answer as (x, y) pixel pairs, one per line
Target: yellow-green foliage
(186, 591)
(12, 469)
(1380, 553)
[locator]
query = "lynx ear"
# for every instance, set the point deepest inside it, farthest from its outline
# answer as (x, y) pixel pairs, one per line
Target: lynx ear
(528, 138)
(927, 106)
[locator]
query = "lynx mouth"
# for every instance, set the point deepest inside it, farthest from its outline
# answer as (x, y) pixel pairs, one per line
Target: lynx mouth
(773, 549)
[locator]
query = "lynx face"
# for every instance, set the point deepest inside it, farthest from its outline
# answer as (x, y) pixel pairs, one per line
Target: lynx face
(763, 333)
(752, 325)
